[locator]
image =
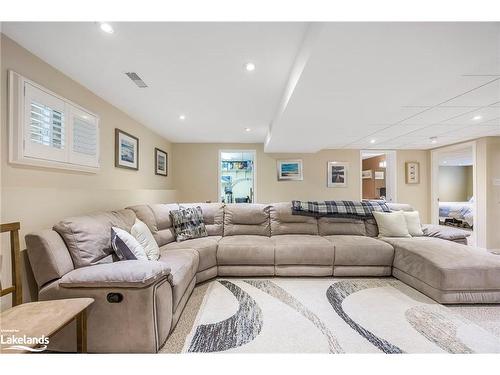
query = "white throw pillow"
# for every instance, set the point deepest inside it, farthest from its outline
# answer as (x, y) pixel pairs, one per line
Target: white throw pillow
(413, 223)
(126, 246)
(144, 236)
(391, 224)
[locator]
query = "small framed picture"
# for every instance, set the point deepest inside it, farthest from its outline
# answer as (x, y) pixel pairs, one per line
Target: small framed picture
(367, 174)
(161, 162)
(290, 170)
(379, 175)
(337, 174)
(126, 150)
(412, 169)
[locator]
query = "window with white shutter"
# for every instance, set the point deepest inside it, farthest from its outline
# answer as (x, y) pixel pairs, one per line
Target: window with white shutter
(48, 130)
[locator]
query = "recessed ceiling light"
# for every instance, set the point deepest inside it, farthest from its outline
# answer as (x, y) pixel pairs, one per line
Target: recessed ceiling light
(248, 129)
(445, 162)
(250, 66)
(372, 141)
(433, 139)
(182, 117)
(477, 117)
(106, 27)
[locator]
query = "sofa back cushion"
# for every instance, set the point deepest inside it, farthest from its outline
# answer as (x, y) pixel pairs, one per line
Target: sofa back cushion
(399, 206)
(246, 218)
(371, 227)
(48, 256)
(213, 216)
(88, 237)
(157, 218)
(329, 226)
(284, 222)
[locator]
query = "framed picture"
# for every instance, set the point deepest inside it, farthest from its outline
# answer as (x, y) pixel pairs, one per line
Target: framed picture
(379, 175)
(290, 170)
(161, 162)
(337, 174)
(126, 150)
(412, 169)
(367, 174)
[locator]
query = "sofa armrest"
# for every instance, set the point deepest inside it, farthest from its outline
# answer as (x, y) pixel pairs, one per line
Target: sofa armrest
(445, 233)
(123, 274)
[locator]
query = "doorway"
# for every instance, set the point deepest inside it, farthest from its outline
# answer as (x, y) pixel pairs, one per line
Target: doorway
(236, 176)
(378, 175)
(454, 188)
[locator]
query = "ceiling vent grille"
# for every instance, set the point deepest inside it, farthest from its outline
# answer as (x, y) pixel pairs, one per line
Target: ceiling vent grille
(136, 79)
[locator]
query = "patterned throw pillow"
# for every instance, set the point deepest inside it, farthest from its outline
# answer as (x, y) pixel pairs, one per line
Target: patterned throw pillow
(188, 223)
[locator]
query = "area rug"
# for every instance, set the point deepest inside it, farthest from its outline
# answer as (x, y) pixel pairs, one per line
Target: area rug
(292, 315)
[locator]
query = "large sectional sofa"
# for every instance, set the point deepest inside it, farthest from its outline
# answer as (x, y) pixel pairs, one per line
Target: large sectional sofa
(138, 303)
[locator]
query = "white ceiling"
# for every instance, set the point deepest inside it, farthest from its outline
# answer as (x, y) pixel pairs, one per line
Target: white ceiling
(316, 86)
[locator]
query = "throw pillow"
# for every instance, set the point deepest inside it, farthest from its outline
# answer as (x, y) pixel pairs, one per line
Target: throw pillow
(413, 223)
(144, 236)
(188, 223)
(126, 246)
(391, 224)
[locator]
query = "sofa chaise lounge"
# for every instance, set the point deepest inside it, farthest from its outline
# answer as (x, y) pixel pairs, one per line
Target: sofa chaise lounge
(138, 303)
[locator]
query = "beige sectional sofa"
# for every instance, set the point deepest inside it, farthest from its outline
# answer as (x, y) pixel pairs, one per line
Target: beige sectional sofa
(138, 303)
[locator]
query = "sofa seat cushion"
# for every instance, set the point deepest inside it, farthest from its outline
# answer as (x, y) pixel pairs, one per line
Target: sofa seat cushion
(245, 250)
(205, 246)
(361, 251)
(183, 266)
(295, 249)
(446, 265)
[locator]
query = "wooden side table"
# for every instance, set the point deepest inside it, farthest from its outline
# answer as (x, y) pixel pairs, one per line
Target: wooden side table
(44, 318)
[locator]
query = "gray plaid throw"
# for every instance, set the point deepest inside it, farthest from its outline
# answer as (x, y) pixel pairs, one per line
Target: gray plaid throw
(346, 209)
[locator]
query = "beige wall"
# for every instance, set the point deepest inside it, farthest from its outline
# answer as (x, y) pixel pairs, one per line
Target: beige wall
(455, 183)
(39, 197)
(417, 195)
(196, 173)
(488, 182)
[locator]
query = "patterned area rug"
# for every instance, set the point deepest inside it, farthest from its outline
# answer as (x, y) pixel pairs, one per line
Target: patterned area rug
(284, 315)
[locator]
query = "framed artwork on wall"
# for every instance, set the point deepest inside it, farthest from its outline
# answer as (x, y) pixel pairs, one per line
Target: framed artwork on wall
(126, 150)
(412, 172)
(290, 170)
(161, 162)
(379, 175)
(337, 174)
(367, 174)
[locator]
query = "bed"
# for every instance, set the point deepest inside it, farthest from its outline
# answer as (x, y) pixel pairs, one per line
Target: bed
(457, 213)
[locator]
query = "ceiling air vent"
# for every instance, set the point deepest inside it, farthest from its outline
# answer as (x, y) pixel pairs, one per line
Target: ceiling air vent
(136, 79)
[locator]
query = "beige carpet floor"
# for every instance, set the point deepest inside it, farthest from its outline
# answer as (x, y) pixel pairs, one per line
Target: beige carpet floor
(176, 339)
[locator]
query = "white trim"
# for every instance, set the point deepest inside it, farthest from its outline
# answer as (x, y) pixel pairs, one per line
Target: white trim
(254, 171)
(16, 127)
(391, 175)
(478, 234)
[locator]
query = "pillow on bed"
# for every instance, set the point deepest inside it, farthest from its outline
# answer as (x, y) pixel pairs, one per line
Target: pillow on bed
(391, 224)
(413, 223)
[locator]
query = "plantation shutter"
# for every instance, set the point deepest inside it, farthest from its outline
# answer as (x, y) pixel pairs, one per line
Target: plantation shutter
(45, 125)
(85, 138)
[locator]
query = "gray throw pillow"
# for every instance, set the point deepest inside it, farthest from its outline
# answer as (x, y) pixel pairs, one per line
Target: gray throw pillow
(188, 223)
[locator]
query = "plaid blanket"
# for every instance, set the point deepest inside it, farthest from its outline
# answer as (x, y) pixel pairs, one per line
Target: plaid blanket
(345, 209)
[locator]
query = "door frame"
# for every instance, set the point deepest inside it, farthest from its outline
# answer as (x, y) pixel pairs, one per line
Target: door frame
(390, 183)
(477, 232)
(219, 170)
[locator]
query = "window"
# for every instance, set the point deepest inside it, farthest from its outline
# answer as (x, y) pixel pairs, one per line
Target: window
(48, 130)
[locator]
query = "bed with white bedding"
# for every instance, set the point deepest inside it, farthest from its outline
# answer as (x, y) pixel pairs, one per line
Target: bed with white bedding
(459, 211)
